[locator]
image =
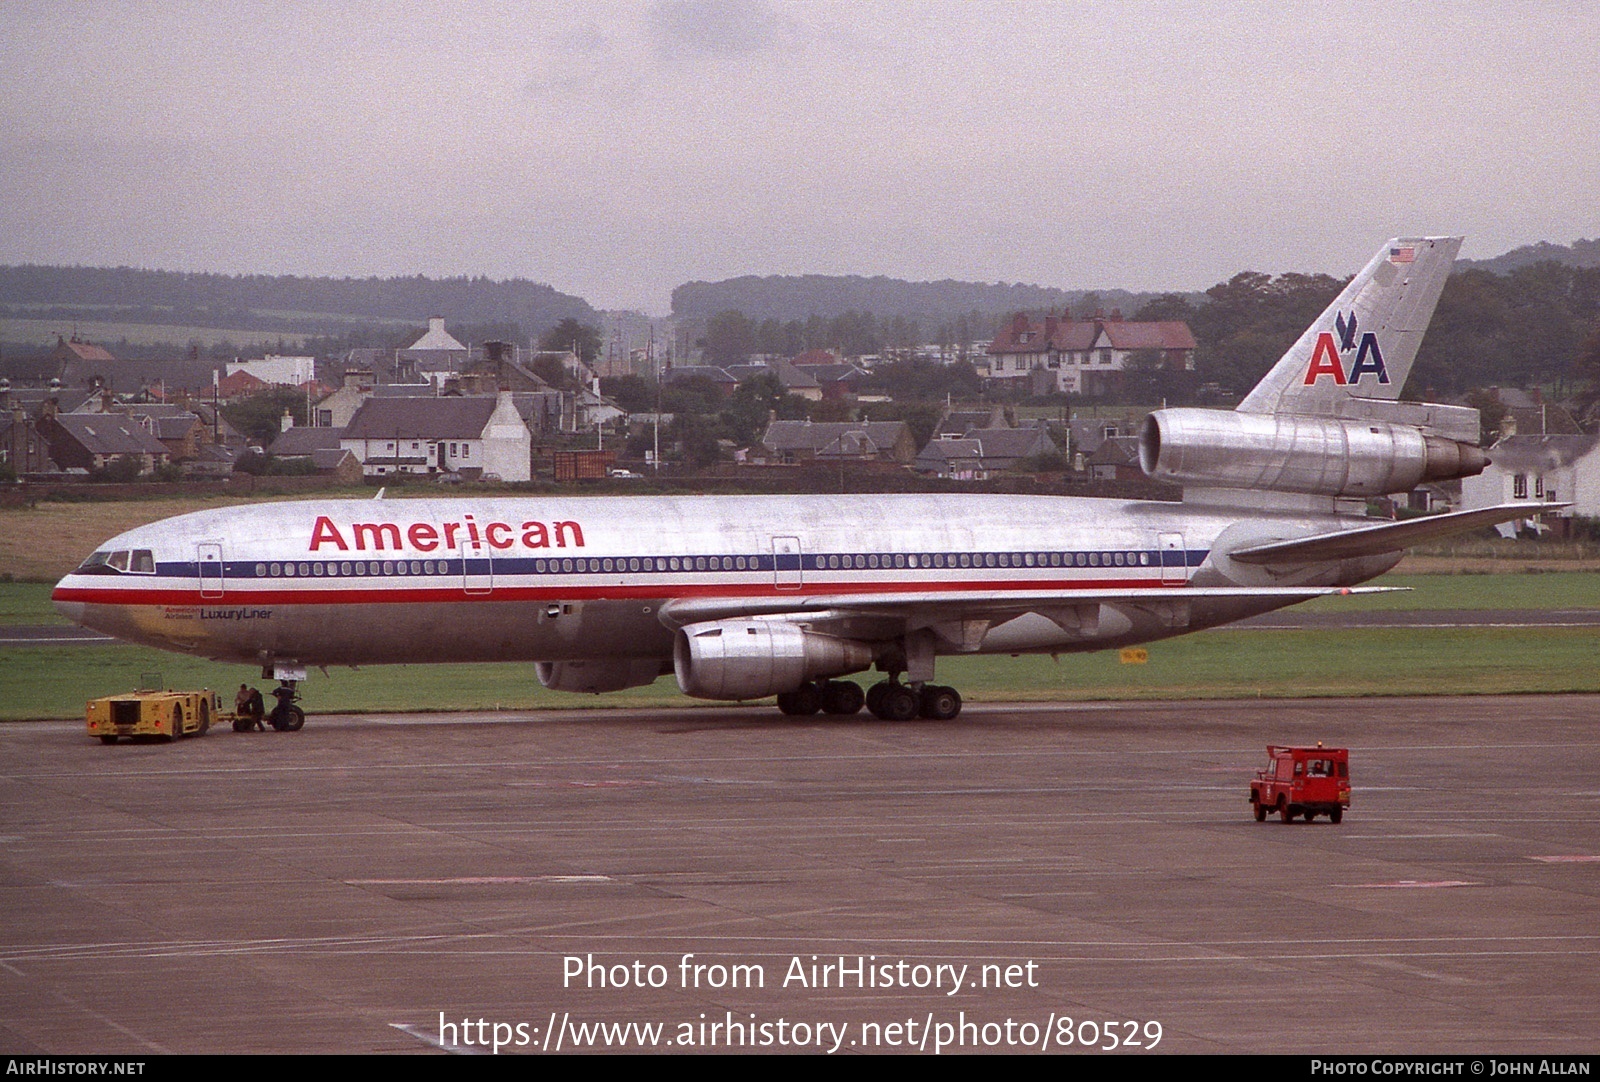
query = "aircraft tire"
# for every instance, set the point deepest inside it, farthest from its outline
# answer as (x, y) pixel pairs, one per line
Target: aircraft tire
(803, 701)
(875, 698)
(842, 698)
(899, 703)
(288, 718)
(939, 703)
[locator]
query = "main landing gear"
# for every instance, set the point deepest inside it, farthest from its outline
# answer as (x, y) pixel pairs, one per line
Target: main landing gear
(888, 699)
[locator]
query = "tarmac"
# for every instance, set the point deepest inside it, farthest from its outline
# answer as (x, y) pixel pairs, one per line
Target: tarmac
(1038, 877)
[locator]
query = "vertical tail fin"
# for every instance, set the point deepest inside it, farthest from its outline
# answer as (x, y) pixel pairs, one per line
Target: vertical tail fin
(1364, 344)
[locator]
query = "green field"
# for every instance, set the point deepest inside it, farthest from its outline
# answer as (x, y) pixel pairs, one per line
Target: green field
(40, 682)
(44, 331)
(27, 603)
(1511, 590)
(54, 682)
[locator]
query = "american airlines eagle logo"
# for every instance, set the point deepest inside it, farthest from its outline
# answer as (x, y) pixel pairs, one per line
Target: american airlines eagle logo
(1326, 357)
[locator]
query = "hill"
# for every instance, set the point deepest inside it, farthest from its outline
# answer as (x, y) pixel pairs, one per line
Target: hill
(287, 303)
(1580, 253)
(798, 297)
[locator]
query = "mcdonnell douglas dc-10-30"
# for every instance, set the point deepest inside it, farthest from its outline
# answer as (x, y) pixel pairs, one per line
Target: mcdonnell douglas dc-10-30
(748, 597)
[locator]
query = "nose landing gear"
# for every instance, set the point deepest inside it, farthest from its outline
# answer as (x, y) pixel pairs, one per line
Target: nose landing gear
(286, 717)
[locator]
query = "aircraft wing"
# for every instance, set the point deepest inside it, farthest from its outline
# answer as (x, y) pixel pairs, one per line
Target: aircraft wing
(1385, 536)
(928, 607)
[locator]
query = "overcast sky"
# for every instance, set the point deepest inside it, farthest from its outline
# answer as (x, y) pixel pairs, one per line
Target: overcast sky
(615, 150)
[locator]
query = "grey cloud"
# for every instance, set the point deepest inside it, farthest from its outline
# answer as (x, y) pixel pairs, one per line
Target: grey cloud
(724, 27)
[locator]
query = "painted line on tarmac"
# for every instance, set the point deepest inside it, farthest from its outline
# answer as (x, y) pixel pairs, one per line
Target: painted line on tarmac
(481, 880)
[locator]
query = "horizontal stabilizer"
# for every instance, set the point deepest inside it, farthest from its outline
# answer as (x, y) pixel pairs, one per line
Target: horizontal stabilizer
(1384, 537)
(992, 604)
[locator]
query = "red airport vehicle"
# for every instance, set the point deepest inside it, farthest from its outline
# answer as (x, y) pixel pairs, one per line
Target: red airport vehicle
(1302, 781)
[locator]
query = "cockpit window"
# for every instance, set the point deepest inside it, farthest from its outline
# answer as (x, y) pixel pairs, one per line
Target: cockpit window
(136, 561)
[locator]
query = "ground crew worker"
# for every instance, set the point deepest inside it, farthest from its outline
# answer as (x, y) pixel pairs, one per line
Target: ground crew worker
(248, 704)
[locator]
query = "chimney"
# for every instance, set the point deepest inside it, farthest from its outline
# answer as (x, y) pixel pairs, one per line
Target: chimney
(286, 422)
(435, 324)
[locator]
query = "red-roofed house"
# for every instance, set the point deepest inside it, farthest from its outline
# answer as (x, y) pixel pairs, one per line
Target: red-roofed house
(240, 384)
(74, 349)
(1083, 356)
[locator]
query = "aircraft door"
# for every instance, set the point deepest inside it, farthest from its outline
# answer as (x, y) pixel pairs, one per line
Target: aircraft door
(1173, 558)
(477, 568)
(786, 563)
(209, 556)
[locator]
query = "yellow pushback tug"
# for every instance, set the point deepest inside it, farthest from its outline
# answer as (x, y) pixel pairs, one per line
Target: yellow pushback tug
(152, 712)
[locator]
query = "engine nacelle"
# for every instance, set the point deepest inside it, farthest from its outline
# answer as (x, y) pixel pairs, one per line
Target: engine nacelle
(1283, 452)
(596, 677)
(749, 659)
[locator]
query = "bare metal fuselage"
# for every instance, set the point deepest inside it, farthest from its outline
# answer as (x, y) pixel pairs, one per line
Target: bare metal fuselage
(356, 582)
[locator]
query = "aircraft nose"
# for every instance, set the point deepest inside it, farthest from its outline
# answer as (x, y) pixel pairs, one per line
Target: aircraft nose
(72, 610)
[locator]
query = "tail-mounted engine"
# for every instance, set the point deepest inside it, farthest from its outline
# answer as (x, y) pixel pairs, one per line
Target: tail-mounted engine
(1281, 452)
(749, 659)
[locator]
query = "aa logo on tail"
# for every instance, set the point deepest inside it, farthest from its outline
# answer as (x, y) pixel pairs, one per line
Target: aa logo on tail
(1326, 361)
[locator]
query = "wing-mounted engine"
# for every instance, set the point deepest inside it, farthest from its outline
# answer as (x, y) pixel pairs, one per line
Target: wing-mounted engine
(750, 659)
(596, 677)
(1287, 452)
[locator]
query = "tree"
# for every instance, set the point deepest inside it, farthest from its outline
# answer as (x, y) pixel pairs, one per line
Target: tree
(730, 338)
(260, 417)
(570, 334)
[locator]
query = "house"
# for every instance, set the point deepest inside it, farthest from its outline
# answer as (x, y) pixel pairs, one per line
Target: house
(180, 430)
(1116, 459)
(957, 423)
(322, 447)
(836, 381)
(75, 350)
(792, 442)
(799, 382)
(155, 380)
(336, 410)
(982, 452)
(437, 355)
(1083, 356)
(477, 437)
(277, 370)
(23, 450)
(92, 441)
(1540, 469)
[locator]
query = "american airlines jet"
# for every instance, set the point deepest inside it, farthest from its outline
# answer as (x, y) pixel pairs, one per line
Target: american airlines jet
(747, 597)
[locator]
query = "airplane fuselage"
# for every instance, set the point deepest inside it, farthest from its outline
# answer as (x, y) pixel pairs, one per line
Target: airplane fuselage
(354, 582)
